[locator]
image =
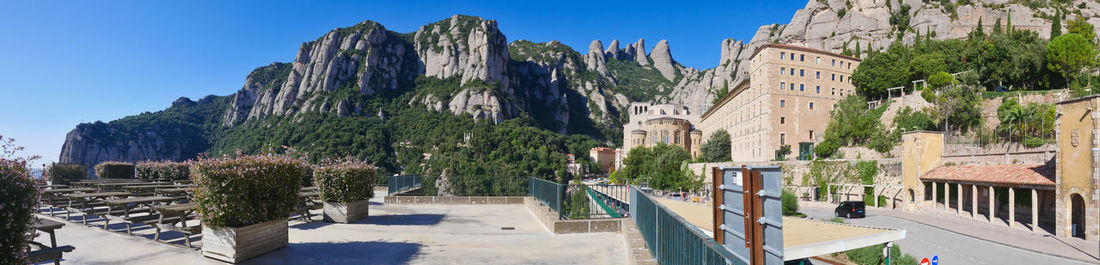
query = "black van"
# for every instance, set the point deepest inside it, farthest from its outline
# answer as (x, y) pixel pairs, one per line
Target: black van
(851, 209)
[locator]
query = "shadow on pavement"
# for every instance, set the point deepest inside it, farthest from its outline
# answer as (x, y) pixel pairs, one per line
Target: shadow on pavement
(342, 253)
(404, 219)
(1071, 246)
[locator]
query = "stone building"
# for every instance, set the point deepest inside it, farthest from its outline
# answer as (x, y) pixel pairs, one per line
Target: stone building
(603, 156)
(1056, 194)
(785, 101)
(651, 124)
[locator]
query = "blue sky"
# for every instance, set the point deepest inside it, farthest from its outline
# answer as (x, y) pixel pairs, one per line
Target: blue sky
(65, 63)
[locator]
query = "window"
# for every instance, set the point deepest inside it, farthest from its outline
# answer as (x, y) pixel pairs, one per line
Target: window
(834, 77)
(841, 64)
(849, 65)
(811, 135)
(782, 103)
(782, 120)
(782, 85)
(834, 91)
(834, 62)
(811, 106)
(802, 58)
(782, 54)
(782, 70)
(818, 74)
(792, 56)
(819, 60)
(803, 73)
(819, 89)
(841, 78)
(801, 87)
(782, 139)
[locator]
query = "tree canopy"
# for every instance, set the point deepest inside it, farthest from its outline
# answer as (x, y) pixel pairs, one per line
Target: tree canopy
(718, 147)
(1069, 53)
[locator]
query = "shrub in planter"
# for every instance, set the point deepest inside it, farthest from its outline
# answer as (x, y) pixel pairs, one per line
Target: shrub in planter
(163, 170)
(17, 203)
(345, 186)
(244, 202)
(64, 173)
(114, 170)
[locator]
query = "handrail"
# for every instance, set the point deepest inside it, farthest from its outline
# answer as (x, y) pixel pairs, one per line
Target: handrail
(671, 239)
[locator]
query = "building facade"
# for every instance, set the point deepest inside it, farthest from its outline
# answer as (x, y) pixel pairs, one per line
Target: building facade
(786, 100)
(603, 156)
(651, 124)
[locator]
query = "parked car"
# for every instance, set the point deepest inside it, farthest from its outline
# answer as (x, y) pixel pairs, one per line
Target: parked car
(851, 209)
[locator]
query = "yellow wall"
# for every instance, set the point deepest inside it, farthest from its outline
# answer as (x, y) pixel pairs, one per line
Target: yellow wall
(1076, 137)
(920, 153)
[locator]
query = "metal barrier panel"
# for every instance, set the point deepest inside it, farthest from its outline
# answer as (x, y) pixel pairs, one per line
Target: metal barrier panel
(398, 184)
(671, 239)
(733, 210)
(549, 193)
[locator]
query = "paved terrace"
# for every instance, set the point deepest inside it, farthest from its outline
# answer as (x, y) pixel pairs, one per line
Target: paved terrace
(393, 234)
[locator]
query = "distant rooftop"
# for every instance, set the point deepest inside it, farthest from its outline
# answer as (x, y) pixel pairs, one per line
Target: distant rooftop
(1003, 174)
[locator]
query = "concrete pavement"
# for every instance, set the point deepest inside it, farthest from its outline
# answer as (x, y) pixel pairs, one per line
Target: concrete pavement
(393, 234)
(958, 242)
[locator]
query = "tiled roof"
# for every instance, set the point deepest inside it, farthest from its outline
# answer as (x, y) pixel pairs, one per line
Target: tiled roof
(1004, 174)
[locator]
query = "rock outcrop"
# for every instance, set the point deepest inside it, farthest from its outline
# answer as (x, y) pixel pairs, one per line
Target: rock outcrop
(639, 52)
(662, 60)
(595, 59)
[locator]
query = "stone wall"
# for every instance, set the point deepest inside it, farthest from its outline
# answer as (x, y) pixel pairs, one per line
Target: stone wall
(551, 220)
(795, 171)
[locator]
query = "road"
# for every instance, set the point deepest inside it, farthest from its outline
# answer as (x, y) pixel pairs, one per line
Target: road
(923, 241)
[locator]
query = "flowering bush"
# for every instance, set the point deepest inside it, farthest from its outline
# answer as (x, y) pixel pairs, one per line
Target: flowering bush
(163, 170)
(114, 170)
(17, 202)
(64, 173)
(345, 181)
(238, 191)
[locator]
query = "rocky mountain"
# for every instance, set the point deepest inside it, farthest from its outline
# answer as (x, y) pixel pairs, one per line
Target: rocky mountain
(465, 66)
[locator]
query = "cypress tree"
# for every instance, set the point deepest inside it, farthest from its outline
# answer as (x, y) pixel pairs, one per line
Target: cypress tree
(997, 27)
(1056, 26)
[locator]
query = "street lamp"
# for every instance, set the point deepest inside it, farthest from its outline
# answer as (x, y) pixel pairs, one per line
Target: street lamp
(886, 251)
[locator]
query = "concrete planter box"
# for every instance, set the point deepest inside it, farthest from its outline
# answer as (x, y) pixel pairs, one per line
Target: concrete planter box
(235, 245)
(336, 212)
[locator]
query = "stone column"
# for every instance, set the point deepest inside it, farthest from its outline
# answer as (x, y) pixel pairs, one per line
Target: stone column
(934, 193)
(959, 194)
(992, 204)
(1034, 210)
(974, 201)
(1011, 206)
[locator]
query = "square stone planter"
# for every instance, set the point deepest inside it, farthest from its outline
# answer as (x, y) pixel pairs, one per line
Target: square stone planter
(336, 212)
(235, 245)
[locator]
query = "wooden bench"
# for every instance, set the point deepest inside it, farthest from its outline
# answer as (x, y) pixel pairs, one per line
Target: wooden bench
(49, 253)
(168, 216)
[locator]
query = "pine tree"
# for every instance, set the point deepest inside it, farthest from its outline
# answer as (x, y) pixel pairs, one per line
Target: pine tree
(979, 30)
(1008, 25)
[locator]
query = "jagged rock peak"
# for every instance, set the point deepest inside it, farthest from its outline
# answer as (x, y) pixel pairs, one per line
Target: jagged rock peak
(639, 52)
(595, 60)
(613, 50)
(662, 60)
(463, 45)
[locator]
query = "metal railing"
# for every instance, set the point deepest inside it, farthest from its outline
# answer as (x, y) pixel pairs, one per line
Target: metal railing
(403, 183)
(671, 239)
(547, 192)
(612, 201)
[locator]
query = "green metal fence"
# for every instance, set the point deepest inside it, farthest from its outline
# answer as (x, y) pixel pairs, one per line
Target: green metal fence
(671, 239)
(547, 192)
(403, 183)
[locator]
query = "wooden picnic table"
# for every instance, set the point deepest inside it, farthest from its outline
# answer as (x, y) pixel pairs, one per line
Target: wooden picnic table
(69, 190)
(94, 195)
(52, 252)
(138, 200)
(51, 186)
(177, 208)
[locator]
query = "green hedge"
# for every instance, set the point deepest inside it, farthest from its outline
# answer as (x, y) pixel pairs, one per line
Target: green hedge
(789, 202)
(64, 173)
(246, 190)
(17, 203)
(346, 181)
(114, 170)
(163, 170)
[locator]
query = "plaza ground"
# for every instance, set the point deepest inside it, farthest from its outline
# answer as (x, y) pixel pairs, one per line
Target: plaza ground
(393, 234)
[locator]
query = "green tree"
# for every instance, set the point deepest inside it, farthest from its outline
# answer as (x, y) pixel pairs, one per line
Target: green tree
(1056, 26)
(789, 202)
(1082, 27)
(909, 120)
(881, 70)
(1069, 54)
(659, 165)
(717, 148)
(941, 80)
